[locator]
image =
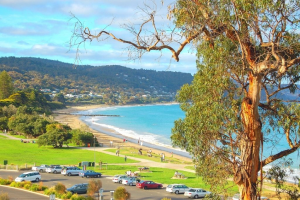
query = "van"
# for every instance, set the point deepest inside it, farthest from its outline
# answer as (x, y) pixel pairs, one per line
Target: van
(177, 188)
(29, 176)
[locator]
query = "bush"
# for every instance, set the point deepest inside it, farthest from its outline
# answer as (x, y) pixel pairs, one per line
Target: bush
(60, 188)
(20, 184)
(33, 187)
(4, 196)
(77, 197)
(27, 186)
(93, 187)
(49, 191)
(165, 198)
(12, 184)
(121, 194)
(66, 195)
(5, 181)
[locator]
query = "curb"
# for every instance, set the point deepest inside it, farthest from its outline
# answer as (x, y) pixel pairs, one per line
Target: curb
(27, 191)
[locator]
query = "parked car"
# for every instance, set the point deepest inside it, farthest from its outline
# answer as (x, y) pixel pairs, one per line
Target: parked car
(196, 193)
(177, 188)
(78, 188)
(148, 185)
(71, 171)
(54, 169)
(130, 181)
(118, 178)
(238, 197)
(89, 173)
(41, 168)
(29, 176)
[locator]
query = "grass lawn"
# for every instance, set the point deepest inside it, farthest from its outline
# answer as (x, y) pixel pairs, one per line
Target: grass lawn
(163, 175)
(130, 151)
(20, 153)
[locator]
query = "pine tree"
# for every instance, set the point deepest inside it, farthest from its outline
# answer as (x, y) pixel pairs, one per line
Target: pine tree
(6, 85)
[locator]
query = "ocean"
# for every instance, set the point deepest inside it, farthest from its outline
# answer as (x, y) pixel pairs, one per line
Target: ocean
(152, 124)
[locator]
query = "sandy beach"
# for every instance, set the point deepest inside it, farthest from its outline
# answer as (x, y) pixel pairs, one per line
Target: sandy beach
(75, 123)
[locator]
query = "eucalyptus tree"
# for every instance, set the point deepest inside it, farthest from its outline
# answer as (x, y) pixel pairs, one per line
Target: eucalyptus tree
(249, 53)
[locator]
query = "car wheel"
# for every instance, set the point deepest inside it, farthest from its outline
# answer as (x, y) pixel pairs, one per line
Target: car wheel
(69, 174)
(37, 179)
(131, 184)
(99, 176)
(120, 182)
(159, 187)
(41, 170)
(88, 176)
(145, 188)
(55, 172)
(176, 192)
(196, 197)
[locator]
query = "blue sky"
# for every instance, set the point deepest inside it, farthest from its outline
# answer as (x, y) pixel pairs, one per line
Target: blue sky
(42, 28)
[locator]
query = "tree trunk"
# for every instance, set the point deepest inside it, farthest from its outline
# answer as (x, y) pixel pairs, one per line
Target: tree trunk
(246, 172)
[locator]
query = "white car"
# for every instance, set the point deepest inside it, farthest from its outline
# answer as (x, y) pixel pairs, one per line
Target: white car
(130, 181)
(177, 188)
(119, 178)
(196, 193)
(41, 168)
(71, 171)
(29, 176)
(55, 169)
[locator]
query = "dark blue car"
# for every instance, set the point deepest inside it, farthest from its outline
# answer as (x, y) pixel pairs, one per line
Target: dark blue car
(90, 173)
(78, 188)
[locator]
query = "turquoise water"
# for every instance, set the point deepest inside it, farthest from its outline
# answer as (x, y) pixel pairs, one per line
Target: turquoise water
(153, 124)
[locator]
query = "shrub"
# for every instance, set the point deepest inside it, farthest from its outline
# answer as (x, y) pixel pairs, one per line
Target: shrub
(49, 191)
(13, 184)
(93, 187)
(10, 178)
(4, 196)
(165, 198)
(33, 187)
(5, 181)
(66, 195)
(20, 184)
(77, 197)
(27, 186)
(60, 188)
(121, 194)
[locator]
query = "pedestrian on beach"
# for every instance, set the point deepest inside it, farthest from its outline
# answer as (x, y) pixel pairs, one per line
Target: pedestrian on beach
(118, 152)
(141, 143)
(111, 143)
(124, 140)
(125, 158)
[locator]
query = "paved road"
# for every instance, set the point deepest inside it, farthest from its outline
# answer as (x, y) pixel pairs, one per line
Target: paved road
(107, 184)
(16, 194)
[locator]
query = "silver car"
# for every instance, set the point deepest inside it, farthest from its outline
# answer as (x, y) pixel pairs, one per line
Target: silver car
(119, 178)
(196, 193)
(177, 188)
(130, 181)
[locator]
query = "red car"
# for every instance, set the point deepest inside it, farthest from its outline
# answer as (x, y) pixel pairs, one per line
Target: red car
(148, 185)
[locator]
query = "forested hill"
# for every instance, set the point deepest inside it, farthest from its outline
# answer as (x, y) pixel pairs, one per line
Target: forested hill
(44, 73)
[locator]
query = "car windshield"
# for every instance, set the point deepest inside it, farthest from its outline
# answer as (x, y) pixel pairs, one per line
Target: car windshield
(23, 175)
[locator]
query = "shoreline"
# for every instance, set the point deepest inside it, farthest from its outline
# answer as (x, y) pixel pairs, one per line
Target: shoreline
(105, 135)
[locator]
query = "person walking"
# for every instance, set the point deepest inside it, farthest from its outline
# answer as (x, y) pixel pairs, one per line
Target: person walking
(125, 158)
